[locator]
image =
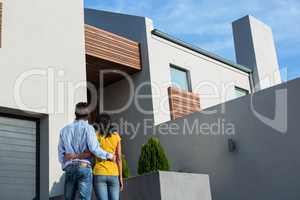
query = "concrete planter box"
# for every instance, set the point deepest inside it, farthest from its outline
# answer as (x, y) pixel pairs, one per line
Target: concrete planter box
(167, 186)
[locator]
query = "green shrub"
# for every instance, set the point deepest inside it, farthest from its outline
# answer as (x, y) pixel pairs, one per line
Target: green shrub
(126, 171)
(153, 157)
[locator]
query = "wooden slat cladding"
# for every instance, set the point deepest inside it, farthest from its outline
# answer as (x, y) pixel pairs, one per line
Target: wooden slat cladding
(182, 102)
(1, 8)
(111, 47)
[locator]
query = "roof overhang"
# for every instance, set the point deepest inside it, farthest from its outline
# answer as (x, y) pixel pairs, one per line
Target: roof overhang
(199, 50)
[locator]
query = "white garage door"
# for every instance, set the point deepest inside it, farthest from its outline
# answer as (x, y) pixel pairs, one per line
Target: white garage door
(17, 159)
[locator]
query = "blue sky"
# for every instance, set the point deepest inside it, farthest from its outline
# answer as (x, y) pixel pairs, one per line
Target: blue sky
(207, 23)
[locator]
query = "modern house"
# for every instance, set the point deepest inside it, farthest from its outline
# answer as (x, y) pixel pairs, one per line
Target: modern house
(54, 56)
(177, 78)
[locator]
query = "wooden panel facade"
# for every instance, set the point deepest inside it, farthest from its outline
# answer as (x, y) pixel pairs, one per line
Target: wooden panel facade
(182, 102)
(111, 47)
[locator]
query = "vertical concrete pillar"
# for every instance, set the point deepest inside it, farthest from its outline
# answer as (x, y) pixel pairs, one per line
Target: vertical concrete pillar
(255, 48)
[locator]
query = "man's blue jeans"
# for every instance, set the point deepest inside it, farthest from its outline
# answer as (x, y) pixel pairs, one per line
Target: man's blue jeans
(107, 187)
(78, 178)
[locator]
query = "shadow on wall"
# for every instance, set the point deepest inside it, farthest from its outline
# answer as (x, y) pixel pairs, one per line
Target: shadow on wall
(57, 188)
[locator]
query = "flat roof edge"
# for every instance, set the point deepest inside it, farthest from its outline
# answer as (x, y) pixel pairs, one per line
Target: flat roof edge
(199, 50)
(111, 12)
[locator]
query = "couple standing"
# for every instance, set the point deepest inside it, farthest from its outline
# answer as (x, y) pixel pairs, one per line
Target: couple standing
(90, 158)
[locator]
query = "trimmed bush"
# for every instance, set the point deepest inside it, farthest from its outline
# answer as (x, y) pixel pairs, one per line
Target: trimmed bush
(126, 171)
(153, 157)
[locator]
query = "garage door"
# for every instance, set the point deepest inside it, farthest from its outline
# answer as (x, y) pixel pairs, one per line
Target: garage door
(17, 159)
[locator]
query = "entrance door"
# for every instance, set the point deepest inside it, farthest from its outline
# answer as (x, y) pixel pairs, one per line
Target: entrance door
(17, 159)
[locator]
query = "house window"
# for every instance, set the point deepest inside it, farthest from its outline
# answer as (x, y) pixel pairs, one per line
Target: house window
(240, 92)
(180, 78)
(1, 7)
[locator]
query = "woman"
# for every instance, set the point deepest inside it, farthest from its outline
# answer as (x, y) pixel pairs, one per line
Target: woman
(108, 180)
(108, 177)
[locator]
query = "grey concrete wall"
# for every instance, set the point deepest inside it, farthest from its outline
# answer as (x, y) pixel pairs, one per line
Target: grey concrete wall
(117, 95)
(146, 187)
(266, 164)
(255, 48)
(167, 186)
(44, 158)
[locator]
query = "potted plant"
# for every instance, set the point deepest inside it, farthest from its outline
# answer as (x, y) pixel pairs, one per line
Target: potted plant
(153, 157)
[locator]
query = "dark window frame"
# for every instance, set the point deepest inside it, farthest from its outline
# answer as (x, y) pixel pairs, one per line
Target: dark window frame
(188, 75)
(241, 89)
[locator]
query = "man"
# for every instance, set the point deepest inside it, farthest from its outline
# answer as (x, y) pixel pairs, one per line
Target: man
(76, 139)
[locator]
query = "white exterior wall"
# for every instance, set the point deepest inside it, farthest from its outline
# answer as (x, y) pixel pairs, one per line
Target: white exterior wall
(211, 79)
(43, 35)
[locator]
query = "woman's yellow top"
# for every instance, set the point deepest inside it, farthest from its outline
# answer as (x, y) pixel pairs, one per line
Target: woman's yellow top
(109, 144)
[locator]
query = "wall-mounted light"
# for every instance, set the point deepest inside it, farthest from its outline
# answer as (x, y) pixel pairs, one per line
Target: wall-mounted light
(232, 145)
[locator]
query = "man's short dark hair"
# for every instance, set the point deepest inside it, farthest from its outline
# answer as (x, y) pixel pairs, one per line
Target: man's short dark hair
(82, 110)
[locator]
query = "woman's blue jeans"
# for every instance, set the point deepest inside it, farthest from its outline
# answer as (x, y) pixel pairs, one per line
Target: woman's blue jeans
(107, 187)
